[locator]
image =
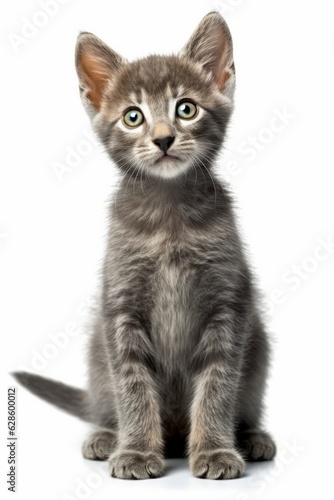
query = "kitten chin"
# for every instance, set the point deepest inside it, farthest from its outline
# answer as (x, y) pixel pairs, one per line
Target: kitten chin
(169, 167)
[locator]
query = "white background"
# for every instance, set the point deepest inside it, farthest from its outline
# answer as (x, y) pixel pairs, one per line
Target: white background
(52, 229)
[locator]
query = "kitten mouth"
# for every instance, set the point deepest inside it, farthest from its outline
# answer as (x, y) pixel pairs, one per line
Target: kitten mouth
(166, 158)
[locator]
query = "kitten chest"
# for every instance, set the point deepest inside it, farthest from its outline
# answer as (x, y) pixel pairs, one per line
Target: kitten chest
(173, 316)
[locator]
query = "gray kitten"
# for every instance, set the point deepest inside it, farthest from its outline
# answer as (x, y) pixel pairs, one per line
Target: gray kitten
(179, 355)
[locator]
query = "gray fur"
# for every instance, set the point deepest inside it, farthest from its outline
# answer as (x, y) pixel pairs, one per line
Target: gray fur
(179, 354)
(100, 444)
(69, 399)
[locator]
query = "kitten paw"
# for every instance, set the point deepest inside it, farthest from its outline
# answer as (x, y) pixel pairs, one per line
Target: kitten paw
(99, 445)
(217, 464)
(257, 445)
(136, 465)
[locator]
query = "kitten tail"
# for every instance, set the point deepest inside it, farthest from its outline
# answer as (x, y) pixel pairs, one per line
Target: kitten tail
(69, 399)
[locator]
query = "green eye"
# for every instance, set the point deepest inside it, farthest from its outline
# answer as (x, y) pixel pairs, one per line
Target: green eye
(133, 117)
(186, 110)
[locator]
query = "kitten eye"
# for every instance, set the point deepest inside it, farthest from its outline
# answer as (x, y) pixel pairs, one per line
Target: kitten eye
(186, 110)
(133, 117)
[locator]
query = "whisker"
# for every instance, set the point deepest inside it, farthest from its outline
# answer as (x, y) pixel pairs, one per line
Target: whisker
(134, 184)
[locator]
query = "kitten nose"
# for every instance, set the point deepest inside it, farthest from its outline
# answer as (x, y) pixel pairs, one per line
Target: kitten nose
(164, 143)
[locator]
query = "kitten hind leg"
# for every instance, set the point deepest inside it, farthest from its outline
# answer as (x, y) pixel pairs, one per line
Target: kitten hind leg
(100, 445)
(256, 445)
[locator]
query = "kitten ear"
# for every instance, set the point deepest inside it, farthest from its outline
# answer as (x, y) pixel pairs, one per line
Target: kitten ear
(96, 64)
(211, 46)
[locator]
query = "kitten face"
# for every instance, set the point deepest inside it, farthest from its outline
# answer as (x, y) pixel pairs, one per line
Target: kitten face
(161, 116)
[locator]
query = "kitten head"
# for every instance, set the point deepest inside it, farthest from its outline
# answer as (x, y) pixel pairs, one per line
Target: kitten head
(161, 115)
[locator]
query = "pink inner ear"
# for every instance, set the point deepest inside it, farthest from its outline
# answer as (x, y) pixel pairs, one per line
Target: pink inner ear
(222, 77)
(223, 60)
(96, 75)
(211, 45)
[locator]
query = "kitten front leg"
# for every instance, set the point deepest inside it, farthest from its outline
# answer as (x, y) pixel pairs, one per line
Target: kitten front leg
(211, 447)
(139, 452)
